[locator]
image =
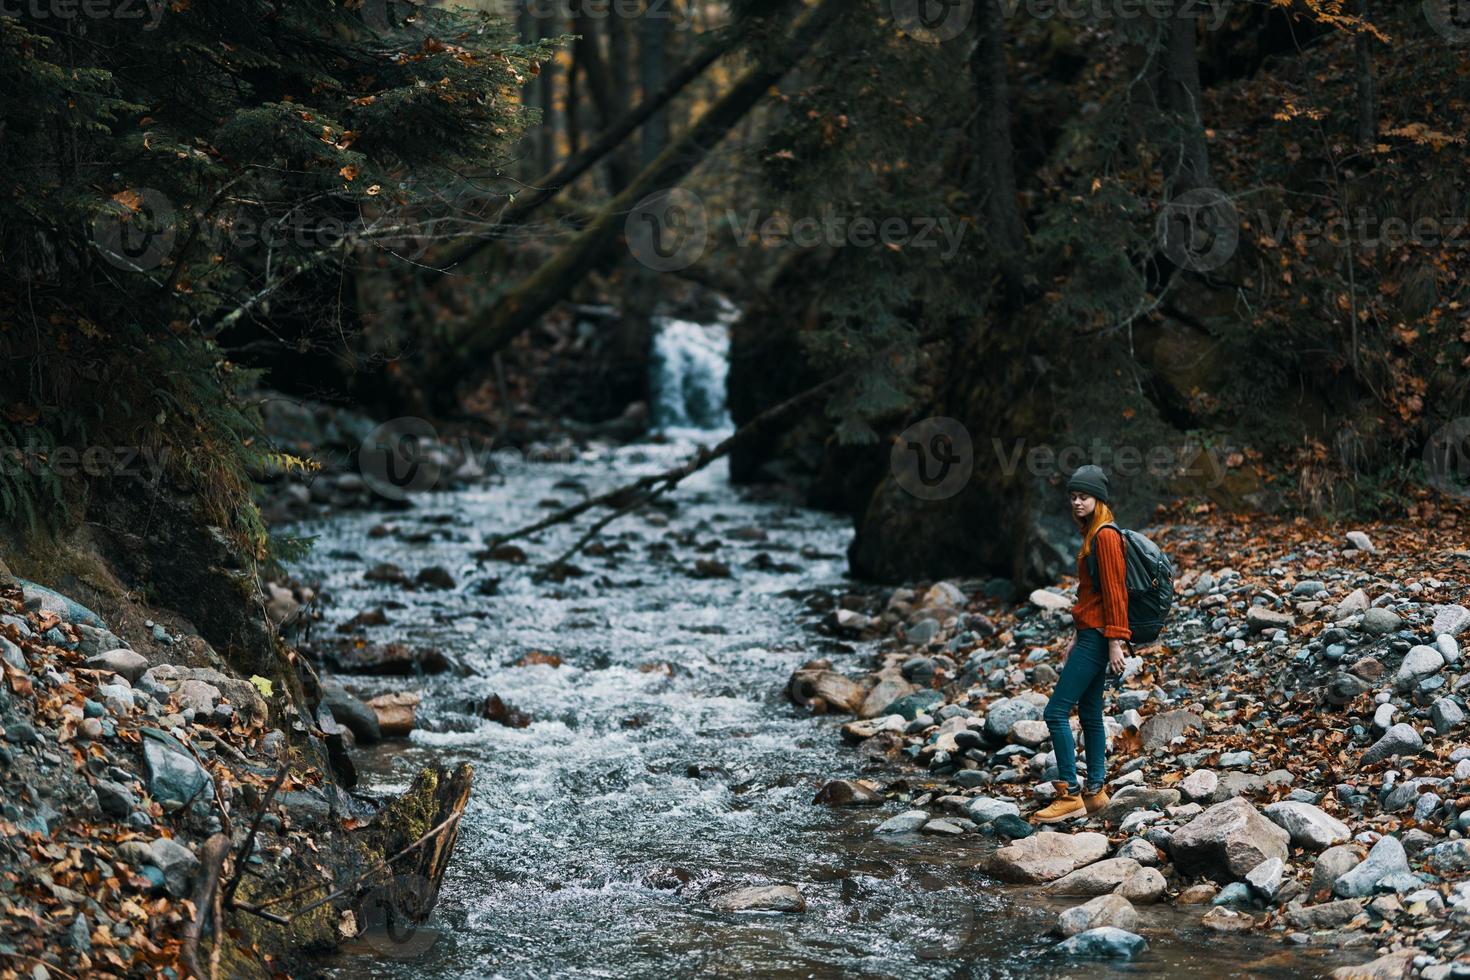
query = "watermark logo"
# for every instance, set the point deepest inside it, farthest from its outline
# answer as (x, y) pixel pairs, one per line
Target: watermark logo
(933, 21)
(1447, 458)
(136, 229)
(668, 230)
(1450, 19)
(1199, 230)
(395, 461)
(933, 458)
(391, 916)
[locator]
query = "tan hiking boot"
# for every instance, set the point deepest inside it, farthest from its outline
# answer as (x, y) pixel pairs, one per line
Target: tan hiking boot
(1095, 801)
(1066, 806)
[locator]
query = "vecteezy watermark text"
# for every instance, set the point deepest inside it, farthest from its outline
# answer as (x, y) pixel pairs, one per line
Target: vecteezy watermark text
(147, 13)
(66, 462)
(933, 459)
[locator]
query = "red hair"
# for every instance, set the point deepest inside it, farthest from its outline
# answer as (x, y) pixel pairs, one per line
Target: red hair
(1101, 514)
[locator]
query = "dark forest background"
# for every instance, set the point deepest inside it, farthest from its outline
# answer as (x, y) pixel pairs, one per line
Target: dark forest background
(1233, 231)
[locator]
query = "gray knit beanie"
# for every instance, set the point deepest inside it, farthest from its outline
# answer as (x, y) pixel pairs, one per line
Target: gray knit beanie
(1091, 480)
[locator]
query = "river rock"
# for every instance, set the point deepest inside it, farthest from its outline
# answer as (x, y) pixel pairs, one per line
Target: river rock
(1222, 919)
(1328, 915)
(1104, 910)
(857, 731)
(910, 706)
(13, 655)
(1003, 714)
(760, 898)
(1160, 729)
(1131, 798)
(1451, 856)
(1451, 620)
(1385, 859)
(1331, 865)
(1049, 601)
(1139, 850)
(1030, 732)
(1397, 965)
(1229, 838)
(1310, 826)
(845, 792)
(1046, 856)
(1448, 648)
(177, 863)
(38, 598)
(1357, 601)
(1098, 878)
(1360, 541)
(397, 712)
(1401, 739)
(1259, 618)
(172, 773)
(903, 823)
(1379, 621)
(1265, 878)
(115, 799)
(1420, 662)
(1199, 785)
(890, 687)
(984, 809)
(1143, 887)
(839, 691)
(1447, 715)
(1105, 942)
(120, 661)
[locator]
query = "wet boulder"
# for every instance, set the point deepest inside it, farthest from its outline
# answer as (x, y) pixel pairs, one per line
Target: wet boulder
(1047, 856)
(174, 777)
(352, 713)
(177, 862)
(397, 712)
(1104, 910)
(1104, 942)
(835, 690)
(1229, 839)
(1310, 826)
(845, 792)
(760, 898)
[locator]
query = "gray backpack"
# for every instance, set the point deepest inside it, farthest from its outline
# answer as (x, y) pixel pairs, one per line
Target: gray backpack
(1150, 579)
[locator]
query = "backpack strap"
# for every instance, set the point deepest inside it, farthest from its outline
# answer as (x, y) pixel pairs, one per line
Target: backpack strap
(1092, 555)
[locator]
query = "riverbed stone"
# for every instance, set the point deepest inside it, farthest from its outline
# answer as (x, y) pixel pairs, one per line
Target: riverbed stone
(911, 705)
(1104, 910)
(352, 713)
(761, 898)
(1331, 865)
(1139, 850)
(1131, 798)
(1222, 919)
(177, 863)
(1420, 662)
(172, 773)
(1005, 712)
(903, 823)
(1386, 858)
(1161, 729)
(1104, 942)
(1327, 915)
(1229, 839)
(890, 687)
(846, 792)
(1265, 879)
(1310, 826)
(984, 809)
(1401, 739)
(1451, 620)
(1449, 857)
(1396, 965)
(1030, 732)
(1098, 878)
(1047, 856)
(1200, 784)
(1380, 621)
(120, 661)
(1259, 618)
(1357, 601)
(836, 689)
(1447, 715)
(857, 731)
(1144, 886)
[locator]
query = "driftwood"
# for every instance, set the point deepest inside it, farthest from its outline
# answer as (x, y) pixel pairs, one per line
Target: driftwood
(631, 496)
(207, 903)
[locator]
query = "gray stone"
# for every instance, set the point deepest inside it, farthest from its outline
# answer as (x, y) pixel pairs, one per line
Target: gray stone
(120, 661)
(13, 655)
(1379, 621)
(1160, 729)
(911, 705)
(1139, 850)
(1329, 915)
(177, 863)
(1199, 785)
(1360, 541)
(984, 809)
(1447, 715)
(1310, 826)
(40, 598)
(1307, 588)
(96, 640)
(172, 773)
(1098, 878)
(761, 898)
(1259, 618)
(1386, 858)
(1046, 856)
(1357, 601)
(1104, 942)
(1450, 856)
(1266, 878)
(1144, 886)
(1229, 838)
(1451, 620)
(1420, 662)
(1448, 648)
(1401, 739)
(903, 823)
(1331, 865)
(1004, 713)
(115, 799)
(1104, 910)
(361, 720)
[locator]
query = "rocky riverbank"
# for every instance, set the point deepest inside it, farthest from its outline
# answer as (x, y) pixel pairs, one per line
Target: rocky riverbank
(164, 816)
(1291, 760)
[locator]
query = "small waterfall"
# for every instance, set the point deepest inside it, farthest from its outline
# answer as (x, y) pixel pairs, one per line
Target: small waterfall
(690, 362)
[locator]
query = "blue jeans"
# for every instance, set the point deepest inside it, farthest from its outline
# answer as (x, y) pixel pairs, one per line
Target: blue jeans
(1081, 686)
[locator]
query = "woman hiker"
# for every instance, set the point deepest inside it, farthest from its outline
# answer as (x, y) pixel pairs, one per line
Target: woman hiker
(1101, 617)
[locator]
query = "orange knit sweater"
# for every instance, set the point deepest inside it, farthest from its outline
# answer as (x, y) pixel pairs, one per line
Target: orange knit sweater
(1105, 609)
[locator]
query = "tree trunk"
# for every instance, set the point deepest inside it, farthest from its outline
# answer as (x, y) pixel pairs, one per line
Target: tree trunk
(1183, 97)
(574, 98)
(527, 302)
(621, 166)
(653, 39)
(546, 99)
(997, 154)
(542, 189)
(610, 102)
